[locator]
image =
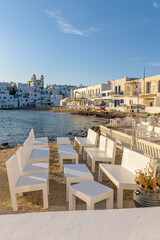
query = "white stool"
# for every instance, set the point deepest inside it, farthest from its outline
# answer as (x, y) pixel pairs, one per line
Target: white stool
(70, 154)
(90, 192)
(75, 173)
(63, 141)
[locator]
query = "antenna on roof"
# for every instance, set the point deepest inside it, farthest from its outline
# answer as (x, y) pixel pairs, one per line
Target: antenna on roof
(144, 73)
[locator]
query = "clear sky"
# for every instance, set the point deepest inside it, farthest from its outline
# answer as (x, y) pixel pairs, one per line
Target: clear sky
(79, 41)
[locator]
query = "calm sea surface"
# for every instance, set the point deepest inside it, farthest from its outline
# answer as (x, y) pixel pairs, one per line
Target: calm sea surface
(15, 125)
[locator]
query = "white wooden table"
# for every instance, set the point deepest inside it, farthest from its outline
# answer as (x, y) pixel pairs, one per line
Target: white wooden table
(90, 192)
(63, 141)
(75, 173)
(68, 154)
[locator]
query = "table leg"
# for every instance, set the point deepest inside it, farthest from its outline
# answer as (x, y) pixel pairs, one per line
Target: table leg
(90, 206)
(72, 201)
(109, 201)
(120, 197)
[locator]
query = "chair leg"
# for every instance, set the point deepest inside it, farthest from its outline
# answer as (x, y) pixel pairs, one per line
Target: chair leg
(93, 165)
(109, 202)
(45, 196)
(48, 186)
(14, 202)
(100, 175)
(67, 190)
(61, 164)
(74, 143)
(80, 149)
(77, 160)
(84, 155)
(88, 160)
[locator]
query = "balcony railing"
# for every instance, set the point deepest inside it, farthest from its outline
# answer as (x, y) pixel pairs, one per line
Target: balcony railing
(135, 93)
(116, 93)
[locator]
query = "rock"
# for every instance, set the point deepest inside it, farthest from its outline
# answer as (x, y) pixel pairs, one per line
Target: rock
(69, 133)
(5, 144)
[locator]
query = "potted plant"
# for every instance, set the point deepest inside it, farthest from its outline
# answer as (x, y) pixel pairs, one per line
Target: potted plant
(147, 193)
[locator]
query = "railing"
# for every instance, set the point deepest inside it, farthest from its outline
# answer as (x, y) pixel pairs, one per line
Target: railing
(148, 148)
(123, 139)
(116, 93)
(130, 93)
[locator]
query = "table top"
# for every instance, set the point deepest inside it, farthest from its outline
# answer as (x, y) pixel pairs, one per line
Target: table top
(91, 188)
(76, 171)
(67, 152)
(63, 140)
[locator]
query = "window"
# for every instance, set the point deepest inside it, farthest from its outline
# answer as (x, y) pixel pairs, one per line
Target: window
(119, 89)
(115, 89)
(103, 94)
(122, 100)
(148, 87)
(151, 104)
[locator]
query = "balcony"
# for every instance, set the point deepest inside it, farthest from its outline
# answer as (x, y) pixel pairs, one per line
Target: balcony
(148, 95)
(121, 93)
(132, 94)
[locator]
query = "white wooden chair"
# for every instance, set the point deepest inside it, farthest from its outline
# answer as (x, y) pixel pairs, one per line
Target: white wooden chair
(38, 142)
(123, 140)
(34, 155)
(90, 141)
(20, 184)
(156, 136)
(43, 139)
(101, 148)
(105, 131)
(30, 168)
(123, 175)
(107, 156)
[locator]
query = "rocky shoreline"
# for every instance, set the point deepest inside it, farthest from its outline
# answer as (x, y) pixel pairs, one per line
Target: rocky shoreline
(95, 113)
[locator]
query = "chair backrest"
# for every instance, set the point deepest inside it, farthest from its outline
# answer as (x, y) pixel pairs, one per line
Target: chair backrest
(12, 171)
(28, 146)
(92, 136)
(134, 161)
(32, 134)
(105, 131)
(111, 149)
(150, 128)
(157, 130)
(102, 143)
(123, 138)
(21, 159)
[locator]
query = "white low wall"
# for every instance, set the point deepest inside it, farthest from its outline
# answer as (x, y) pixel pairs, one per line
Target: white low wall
(124, 224)
(152, 109)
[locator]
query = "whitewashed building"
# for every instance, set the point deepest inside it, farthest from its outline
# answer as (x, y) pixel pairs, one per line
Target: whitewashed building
(7, 100)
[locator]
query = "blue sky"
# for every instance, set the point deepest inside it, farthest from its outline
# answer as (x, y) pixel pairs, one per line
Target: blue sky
(79, 41)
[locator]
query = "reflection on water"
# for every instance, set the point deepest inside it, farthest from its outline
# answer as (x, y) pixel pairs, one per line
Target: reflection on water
(15, 125)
